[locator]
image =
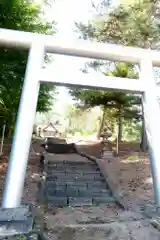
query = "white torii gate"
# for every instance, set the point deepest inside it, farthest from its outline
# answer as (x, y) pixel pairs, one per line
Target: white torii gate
(38, 45)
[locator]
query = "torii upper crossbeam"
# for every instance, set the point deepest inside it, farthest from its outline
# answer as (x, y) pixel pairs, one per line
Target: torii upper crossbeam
(38, 45)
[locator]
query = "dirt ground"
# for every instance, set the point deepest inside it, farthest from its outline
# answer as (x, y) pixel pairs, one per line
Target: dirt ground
(132, 175)
(131, 172)
(31, 180)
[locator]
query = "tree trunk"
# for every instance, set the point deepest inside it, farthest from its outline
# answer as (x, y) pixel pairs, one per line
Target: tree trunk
(120, 126)
(144, 142)
(101, 124)
(9, 132)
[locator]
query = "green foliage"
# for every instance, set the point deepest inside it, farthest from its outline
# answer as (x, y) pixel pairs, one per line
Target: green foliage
(108, 99)
(124, 106)
(19, 15)
(133, 24)
(82, 121)
(132, 131)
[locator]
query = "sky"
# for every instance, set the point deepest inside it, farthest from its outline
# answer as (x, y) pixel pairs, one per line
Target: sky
(65, 13)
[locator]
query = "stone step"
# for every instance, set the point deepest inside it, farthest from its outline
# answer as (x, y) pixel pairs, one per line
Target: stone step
(80, 187)
(75, 184)
(61, 174)
(97, 184)
(75, 192)
(79, 172)
(73, 170)
(87, 184)
(103, 200)
(57, 201)
(71, 164)
(92, 193)
(50, 184)
(78, 201)
(73, 178)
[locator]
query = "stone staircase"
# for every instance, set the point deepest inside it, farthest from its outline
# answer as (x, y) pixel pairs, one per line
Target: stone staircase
(75, 183)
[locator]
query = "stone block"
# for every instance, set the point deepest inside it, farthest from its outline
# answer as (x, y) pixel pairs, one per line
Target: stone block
(72, 193)
(57, 201)
(17, 214)
(61, 192)
(71, 187)
(51, 191)
(99, 177)
(51, 184)
(74, 184)
(84, 193)
(51, 178)
(60, 148)
(97, 184)
(103, 200)
(93, 193)
(54, 172)
(80, 201)
(15, 221)
(75, 174)
(94, 173)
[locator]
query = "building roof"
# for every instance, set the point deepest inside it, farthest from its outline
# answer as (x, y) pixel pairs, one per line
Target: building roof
(50, 127)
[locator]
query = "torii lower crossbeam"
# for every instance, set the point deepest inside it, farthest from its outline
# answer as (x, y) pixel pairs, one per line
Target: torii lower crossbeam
(38, 45)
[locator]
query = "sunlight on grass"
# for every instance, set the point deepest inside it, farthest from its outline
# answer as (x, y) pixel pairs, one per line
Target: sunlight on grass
(132, 158)
(135, 158)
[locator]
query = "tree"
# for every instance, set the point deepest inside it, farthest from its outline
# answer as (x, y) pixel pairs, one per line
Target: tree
(132, 25)
(121, 103)
(81, 120)
(135, 24)
(26, 16)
